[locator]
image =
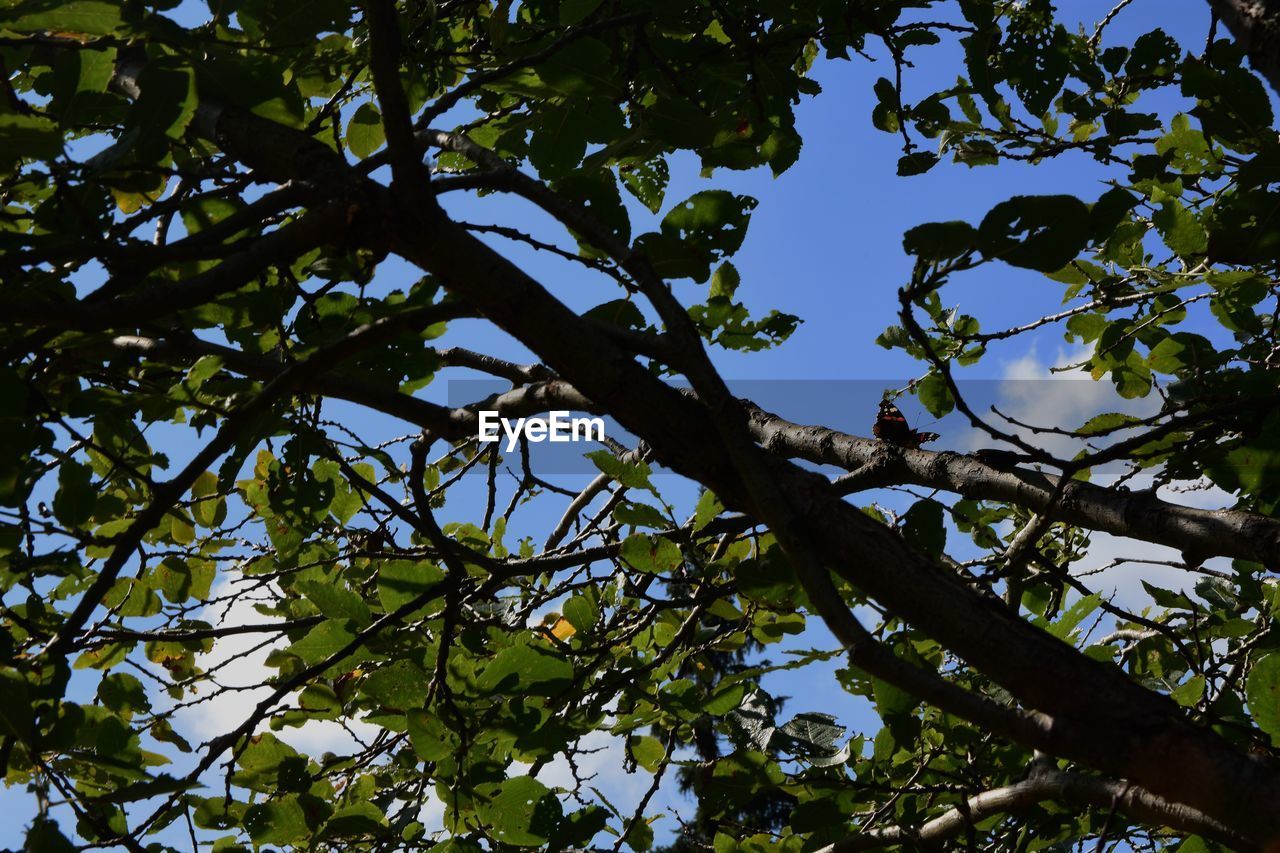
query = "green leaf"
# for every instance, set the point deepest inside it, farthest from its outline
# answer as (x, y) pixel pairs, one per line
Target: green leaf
(15, 706)
(892, 703)
(401, 581)
(1041, 233)
(1107, 422)
(640, 838)
(23, 136)
(580, 612)
(181, 530)
(323, 640)
(1106, 214)
(402, 685)
(76, 497)
(1168, 598)
(179, 580)
(164, 109)
(560, 141)
(641, 515)
(258, 82)
(708, 508)
(123, 693)
(206, 367)
(648, 751)
(430, 737)
(530, 670)
(521, 811)
(647, 181)
(1166, 357)
(578, 828)
(1073, 616)
(1262, 690)
(712, 219)
(357, 820)
(573, 11)
(132, 597)
(322, 699)
(922, 527)
(210, 509)
(934, 393)
(336, 602)
(364, 131)
(87, 17)
(724, 699)
(940, 241)
(1132, 378)
(781, 148)
(633, 475)
(650, 554)
(815, 737)
(584, 67)
(1086, 327)
(45, 837)
(885, 115)
(261, 761)
(916, 164)
(1181, 230)
(277, 821)
(1188, 693)
(725, 281)
(1243, 229)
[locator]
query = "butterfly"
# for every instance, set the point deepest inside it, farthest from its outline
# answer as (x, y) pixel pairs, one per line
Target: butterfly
(891, 426)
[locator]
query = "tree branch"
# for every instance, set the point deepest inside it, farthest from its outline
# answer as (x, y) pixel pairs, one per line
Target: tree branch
(1043, 785)
(1139, 515)
(1255, 24)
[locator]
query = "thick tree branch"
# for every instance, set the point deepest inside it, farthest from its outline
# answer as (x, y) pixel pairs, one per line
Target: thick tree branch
(1138, 515)
(1048, 785)
(1255, 24)
(445, 422)
(407, 167)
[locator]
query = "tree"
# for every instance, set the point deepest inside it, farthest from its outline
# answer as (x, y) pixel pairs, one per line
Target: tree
(195, 219)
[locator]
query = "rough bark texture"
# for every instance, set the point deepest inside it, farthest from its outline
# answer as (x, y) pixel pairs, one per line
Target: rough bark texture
(1044, 785)
(1255, 24)
(1141, 515)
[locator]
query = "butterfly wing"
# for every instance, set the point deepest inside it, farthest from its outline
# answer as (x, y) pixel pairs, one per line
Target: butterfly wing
(920, 438)
(891, 425)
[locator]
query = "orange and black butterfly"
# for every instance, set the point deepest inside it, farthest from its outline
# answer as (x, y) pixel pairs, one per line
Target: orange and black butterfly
(891, 426)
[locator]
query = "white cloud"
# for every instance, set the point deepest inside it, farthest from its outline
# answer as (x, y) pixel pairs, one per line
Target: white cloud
(1122, 582)
(1125, 579)
(1031, 366)
(600, 764)
(1044, 393)
(240, 662)
(1039, 392)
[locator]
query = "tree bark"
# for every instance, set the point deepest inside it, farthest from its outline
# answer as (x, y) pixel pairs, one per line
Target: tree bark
(1255, 25)
(1045, 785)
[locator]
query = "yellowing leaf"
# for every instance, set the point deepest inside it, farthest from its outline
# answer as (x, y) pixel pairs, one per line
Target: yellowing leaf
(563, 629)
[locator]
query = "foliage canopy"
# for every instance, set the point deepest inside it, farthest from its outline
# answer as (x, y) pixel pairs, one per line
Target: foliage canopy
(200, 208)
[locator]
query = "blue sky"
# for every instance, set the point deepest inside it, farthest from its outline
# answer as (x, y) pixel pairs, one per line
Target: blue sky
(824, 244)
